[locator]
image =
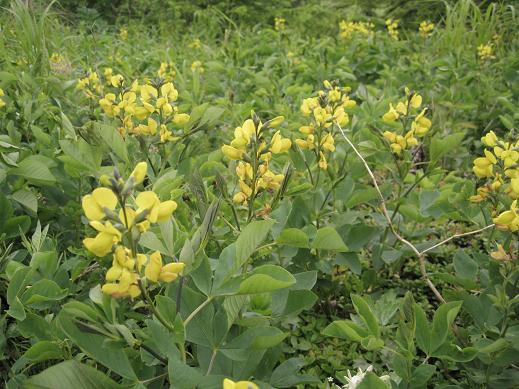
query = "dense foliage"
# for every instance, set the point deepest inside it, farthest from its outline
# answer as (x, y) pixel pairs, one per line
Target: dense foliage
(259, 194)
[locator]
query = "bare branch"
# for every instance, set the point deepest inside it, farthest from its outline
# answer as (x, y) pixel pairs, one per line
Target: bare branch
(419, 254)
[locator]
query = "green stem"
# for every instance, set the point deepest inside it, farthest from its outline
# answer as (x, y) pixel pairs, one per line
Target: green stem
(197, 310)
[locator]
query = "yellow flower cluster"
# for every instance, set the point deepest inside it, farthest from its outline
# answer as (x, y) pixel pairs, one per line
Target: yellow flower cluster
(426, 29)
(195, 44)
(197, 66)
(145, 110)
(403, 111)
(2, 102)
(166, 71)
(499, 166)
(280, 24)
(229, 384)
(392, 28)
(123, 33)
(56, 58)
(90, 85)
(254, 152)
(485, 52)
(116, 221)
(347, 29)
(325, 110)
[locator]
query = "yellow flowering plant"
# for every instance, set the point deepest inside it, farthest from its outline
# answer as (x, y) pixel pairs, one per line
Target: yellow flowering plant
(325, 112)
(119, 216)
(411, 120)
(253, 148)
(392, 28)
(349, 28)
(426, 29)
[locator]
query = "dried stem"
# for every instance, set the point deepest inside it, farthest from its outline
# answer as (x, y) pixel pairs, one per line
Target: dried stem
(419, 254)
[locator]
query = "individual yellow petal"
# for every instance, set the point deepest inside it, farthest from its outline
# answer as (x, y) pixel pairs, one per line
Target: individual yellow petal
(139, 173)
(105, 198)
(165, 209)
(100, 245)
(113, 273)
(232, 152)
(154, 266)
(91, 208)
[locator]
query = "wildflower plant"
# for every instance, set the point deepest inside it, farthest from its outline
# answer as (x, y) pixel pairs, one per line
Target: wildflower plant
(349, 28)
(426, 29)
(325, 112)
(392, 28)
(253, 148)
(120, 216)
(412, 120)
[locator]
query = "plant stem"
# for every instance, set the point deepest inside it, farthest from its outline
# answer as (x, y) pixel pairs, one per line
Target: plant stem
(198, 309)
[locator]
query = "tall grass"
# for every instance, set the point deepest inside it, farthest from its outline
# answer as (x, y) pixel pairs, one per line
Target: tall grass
(29, 28)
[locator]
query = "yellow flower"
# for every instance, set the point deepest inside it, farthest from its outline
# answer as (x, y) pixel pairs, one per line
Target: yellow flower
(306, 130)
(508, 220)
(168, 90)
(421, 124)
(139, 172)
(239, 198)
(197, 66)
(500, 254)
(327, 142)
(123, 33)
(116, 80)
(148, 92)
(165, 134)
(149, 129)
(94, 204)
(269, 180)
(181, 118)
(341, 117)
(426, 29)
(490, 139)
(279, 24)
(102, 244)
(244, 170)
(156, 272)
(307, 143)
(390, 136)
(309, 105)
(228, 384)
(278, 144)
(323, 164)
(322, 117)
(232, 152)
(391, 115)
(157, 211)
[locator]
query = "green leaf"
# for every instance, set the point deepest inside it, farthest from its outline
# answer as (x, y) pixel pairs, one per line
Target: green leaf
(42, 351)
(71, 374)
(441, 146)
(34, 171)
(371, 381)
(293, 237)
(422, 374)
(327, 238)
(366, 314)
(286, 375)
(17, 225)
(94, 346)
(423, 330)
(345, 329)
(371, 343)
(250, 238)
(443, 318)
(266, 278)
(465, 266)
(27, 199)
(113, 139)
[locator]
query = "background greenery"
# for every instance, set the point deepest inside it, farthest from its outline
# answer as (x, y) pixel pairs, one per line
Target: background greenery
(52, 152)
